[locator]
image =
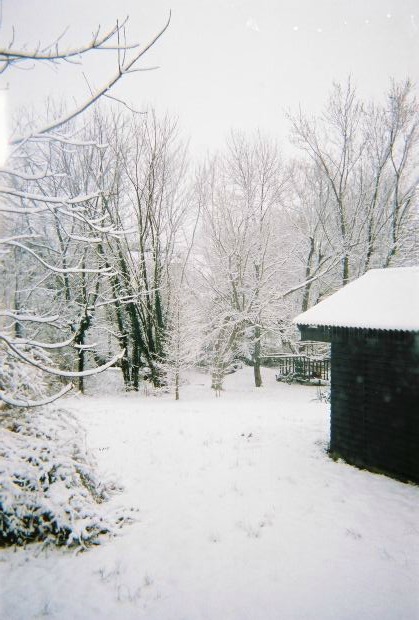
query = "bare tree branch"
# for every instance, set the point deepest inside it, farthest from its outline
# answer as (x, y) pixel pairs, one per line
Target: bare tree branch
(122, 70)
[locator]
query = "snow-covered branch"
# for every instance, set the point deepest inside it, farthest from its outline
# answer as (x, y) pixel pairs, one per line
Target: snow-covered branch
(29, 317)
(124, 68)
(52, 53)
(55, 371)
(63, 270)
(60, 200)
(26, 402)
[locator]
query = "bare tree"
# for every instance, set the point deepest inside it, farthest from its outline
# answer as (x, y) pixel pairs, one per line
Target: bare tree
(243, 193)
(335, 146)
(356, 190)
(35, 200)
(146, 203)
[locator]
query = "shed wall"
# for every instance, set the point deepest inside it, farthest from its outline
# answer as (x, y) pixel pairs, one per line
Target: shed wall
(375, 403)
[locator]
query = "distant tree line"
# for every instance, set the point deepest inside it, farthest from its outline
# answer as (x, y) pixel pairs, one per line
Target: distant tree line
(117, 249)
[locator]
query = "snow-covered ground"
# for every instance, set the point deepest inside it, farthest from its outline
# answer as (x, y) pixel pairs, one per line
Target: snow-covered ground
(242, 516)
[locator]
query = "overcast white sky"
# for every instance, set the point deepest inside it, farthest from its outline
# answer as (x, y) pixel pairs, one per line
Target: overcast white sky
(224, 63)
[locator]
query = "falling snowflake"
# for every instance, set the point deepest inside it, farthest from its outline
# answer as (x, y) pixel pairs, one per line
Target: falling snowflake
(252, 25)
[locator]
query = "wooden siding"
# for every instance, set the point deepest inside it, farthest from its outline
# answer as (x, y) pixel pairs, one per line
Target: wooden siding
(375, 402)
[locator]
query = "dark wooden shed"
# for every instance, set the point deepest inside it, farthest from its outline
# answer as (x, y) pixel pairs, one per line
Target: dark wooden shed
(373, 327)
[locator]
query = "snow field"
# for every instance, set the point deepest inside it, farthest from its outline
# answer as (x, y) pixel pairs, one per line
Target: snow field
(242, 516)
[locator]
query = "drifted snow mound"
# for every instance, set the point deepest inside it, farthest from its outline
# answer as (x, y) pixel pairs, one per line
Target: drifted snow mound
(49, 489)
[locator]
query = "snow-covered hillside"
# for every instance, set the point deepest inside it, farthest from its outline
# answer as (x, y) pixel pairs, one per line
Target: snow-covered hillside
(242, 516)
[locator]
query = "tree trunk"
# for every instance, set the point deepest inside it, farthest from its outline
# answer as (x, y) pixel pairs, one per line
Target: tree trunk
(80, 339)
(345, 270)
(306, 294)
(177, 385)
(256, 358)
(123, 340)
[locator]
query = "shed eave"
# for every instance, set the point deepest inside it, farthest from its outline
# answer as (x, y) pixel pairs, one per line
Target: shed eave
(356, 326)
(331, 333)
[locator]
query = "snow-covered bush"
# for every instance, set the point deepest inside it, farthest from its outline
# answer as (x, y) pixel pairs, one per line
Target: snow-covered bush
(49, 490)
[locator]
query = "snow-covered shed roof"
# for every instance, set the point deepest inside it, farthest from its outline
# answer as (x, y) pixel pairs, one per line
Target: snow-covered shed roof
(385, 299)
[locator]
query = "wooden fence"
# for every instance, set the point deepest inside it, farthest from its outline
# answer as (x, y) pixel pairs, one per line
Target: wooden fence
(300, 366)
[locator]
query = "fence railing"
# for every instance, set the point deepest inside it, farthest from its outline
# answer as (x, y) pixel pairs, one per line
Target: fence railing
(301, 366)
